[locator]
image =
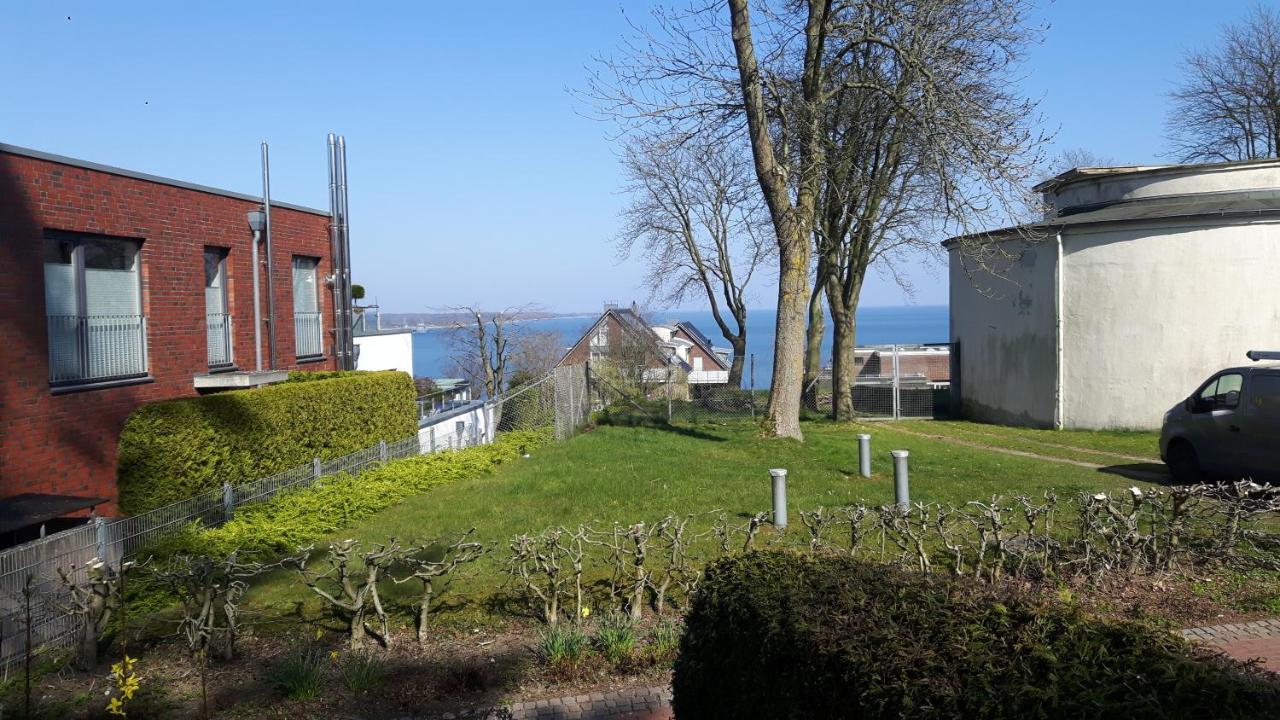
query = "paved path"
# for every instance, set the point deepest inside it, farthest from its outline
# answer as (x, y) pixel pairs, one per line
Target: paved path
(653, 703)
(1132, 473)
(1243, 641)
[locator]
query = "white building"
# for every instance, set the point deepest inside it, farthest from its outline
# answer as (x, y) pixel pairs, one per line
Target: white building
(1138, 284)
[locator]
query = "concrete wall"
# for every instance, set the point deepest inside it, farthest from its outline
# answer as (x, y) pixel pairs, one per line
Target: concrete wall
(1165, 182)
(387, 351)
(1151, 311)
(1005, 325)
(459, 428)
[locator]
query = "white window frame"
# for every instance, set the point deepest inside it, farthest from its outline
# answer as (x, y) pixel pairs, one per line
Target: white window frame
(84, 316)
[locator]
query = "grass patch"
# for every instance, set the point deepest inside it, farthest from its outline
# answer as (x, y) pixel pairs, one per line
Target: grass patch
(1100, 446)
(629, 474)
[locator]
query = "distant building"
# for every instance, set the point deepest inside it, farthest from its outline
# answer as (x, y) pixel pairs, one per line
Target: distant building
(678, 344)
(1137, 285)
(379, 348)
(121, 289)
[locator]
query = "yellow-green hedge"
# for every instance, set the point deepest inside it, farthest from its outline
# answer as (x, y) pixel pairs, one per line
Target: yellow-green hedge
(175, 449)
(265, 531)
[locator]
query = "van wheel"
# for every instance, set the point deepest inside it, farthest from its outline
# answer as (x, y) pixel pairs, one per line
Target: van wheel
(1183, 463)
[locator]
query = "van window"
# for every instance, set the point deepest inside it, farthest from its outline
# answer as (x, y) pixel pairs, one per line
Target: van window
(1266, 395)
(1223, 393)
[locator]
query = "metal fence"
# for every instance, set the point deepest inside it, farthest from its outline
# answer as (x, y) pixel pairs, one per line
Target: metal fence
(893, 381)
(113, 541)
(563, 399)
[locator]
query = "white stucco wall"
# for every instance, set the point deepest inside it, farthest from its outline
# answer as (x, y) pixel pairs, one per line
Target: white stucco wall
(1165, 182)
(388, 351)
(457, 429)
(1152, 311)
(1005, 325)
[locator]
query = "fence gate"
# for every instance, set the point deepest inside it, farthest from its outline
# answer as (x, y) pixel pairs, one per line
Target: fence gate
(893, 381)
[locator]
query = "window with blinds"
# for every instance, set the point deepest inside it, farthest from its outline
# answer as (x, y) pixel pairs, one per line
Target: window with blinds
(308, 330)
(217, 318)
(93, 304)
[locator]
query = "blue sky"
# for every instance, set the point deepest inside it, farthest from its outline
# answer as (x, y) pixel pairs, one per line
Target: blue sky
(475, 176)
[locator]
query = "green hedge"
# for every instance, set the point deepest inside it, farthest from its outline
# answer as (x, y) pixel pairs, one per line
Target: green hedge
(178, 448)
(268, 530)
(780, 635)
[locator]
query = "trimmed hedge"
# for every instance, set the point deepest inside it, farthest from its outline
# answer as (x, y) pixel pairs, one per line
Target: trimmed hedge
(780, 635)
(265, 531)
(175, 449)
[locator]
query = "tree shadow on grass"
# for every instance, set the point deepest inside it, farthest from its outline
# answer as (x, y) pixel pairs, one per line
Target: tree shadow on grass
(642, 420)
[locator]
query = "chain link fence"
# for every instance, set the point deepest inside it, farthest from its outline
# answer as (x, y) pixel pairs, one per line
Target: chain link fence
(29, 572)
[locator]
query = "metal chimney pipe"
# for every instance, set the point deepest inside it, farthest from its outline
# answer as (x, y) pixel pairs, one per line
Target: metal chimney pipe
(257, 305)
(335, 242)
(349, 349)
(271, 285)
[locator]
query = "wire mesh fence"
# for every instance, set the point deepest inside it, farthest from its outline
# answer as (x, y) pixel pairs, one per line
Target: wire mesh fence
(32, 569)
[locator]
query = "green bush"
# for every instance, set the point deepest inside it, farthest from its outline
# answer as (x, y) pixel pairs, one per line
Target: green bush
(301, 674)
(175, 449)
(779, 635)
(268, 530)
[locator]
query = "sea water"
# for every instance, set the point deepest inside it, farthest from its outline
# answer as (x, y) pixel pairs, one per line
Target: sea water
(432, 353)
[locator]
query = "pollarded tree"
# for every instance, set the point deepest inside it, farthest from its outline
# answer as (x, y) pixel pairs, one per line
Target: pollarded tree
(695, 215)
(1228, 106)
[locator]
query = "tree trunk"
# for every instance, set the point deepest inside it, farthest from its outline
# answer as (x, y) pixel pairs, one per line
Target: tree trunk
(739, 345)
(844, 369)
(813, 344)
(783, 411)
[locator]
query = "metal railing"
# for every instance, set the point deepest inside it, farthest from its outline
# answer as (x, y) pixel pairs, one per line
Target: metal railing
(308, 334)
(219, 334)
(88, 348)
(440, 401)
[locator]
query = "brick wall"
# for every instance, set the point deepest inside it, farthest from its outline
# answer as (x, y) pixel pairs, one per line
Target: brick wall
(66, 443)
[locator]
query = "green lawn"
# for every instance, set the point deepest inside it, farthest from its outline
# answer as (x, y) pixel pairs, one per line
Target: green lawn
(629, 474)
(1089, 445)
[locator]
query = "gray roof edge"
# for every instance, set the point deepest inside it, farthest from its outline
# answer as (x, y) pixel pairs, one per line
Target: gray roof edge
(112, 170)
(1210, 210)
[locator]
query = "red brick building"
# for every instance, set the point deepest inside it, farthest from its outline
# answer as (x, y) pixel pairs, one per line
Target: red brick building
(122, 288)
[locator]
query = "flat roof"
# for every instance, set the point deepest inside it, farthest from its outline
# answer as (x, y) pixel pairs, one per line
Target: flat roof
(1233, 204)
(112, 170)
(1090, 173)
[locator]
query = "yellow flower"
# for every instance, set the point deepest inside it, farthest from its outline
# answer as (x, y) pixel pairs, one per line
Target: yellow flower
(586, 611)
(333, 655)
(115, 707)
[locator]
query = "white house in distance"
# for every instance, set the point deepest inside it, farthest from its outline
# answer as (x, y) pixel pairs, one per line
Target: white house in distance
(1138, 284)
(379, 349)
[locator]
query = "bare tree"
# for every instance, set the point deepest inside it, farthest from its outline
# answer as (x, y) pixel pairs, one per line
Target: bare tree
(535, 355)
(1079, 157)
(484, 344)
(695, 215)
(1228, 106)
(793, 80)
(924, 135)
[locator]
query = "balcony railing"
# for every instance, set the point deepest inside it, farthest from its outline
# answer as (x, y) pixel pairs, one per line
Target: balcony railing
(218, 332)
(308, 334)
(94, 348)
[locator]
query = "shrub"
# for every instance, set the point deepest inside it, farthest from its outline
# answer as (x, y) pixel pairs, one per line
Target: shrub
(777, 634)
(362, 671)
(175, 449)
(562, 646)
(300, 676)
(268, 530)
(616, 637)
(663, 642)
